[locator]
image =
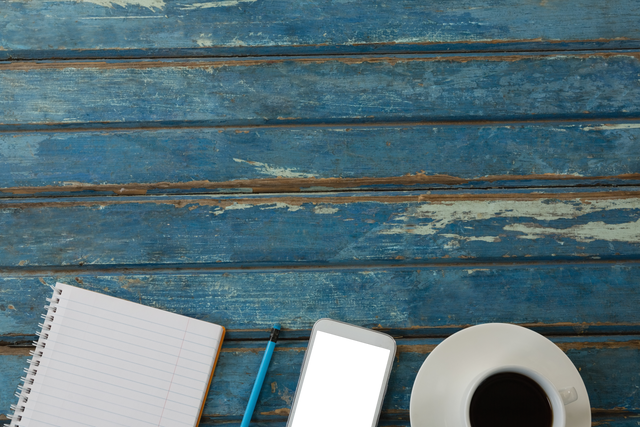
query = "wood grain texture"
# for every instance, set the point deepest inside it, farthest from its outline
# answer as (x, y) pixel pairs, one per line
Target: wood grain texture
(289, 159)
(337, 229)
(595, 365)
(103, 28)
(606, 392)
(597, 358)
(320, 90)
(422, 167)
(406, 301)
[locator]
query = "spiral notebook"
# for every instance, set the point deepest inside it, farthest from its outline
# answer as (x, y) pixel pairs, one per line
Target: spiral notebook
(102, 361)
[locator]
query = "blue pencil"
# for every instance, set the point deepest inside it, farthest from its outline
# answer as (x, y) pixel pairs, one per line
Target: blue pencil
(262, 372)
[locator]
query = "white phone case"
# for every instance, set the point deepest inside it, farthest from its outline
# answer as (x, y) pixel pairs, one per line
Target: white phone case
(349, 333)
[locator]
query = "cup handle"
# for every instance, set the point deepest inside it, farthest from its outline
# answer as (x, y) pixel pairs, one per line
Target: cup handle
(568, 395)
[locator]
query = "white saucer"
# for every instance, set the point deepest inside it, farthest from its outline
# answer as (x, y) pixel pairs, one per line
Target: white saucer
(458, 360)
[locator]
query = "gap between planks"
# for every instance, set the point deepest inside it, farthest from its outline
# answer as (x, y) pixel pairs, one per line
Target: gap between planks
(26, 65)
(296, 199)
(324, 49)
(603, 122)
(400, 418)
(23, 350)
(295, 185)
(214, 268)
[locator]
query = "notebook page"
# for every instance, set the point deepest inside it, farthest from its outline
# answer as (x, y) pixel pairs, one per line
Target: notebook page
(111, 362)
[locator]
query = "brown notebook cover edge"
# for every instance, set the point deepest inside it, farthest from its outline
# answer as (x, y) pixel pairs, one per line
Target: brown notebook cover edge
(215, 362)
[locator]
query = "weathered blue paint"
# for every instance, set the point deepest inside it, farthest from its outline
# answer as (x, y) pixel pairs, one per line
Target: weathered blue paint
(418, 300)
(473, 132)
(340, 228)
(312, 158)
(321, 50)
(597, 358)
(322, 90)
(116, 29)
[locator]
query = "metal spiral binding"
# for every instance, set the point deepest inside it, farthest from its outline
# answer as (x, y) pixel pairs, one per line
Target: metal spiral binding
(24, 390)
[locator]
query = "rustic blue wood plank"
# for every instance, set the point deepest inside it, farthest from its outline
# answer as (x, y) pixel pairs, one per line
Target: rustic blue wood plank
(321, 90)
(320, 158)
(420, 300)
(337, 228)
(605, 364)
(599, 359)
(103, 28)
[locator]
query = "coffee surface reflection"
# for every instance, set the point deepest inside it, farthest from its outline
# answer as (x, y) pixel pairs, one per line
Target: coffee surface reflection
(509, 399)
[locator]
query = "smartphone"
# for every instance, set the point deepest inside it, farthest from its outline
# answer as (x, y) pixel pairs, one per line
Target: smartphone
(344, 376)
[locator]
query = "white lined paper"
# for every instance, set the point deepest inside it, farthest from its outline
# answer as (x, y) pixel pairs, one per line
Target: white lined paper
(110, 362)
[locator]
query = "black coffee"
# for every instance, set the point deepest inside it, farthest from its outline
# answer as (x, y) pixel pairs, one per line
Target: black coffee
(510, 400)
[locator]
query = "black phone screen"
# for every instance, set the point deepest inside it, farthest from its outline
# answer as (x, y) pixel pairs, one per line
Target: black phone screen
(342, 384)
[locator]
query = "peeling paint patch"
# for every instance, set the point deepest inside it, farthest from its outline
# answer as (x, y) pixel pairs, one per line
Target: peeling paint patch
(275, 171)
(598, 230)
(324, 210)
(488, 239)
(280, 411)
(204, 40)
(438, 215)
(613, 126)
(416, 348)
(421, 230)
(473, 270)
(262, 206)
(208, 5)
(281, 205)
(283, 393)
(566, 346)
(149, 4)
(232, 207)
(13, 351)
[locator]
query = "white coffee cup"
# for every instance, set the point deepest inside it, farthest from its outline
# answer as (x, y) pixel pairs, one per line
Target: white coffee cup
(558, 398)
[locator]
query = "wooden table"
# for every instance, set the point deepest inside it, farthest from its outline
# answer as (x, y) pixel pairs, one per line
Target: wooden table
(415, 167)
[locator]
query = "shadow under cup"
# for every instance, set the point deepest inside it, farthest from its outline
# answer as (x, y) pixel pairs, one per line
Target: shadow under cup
(510, 399)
